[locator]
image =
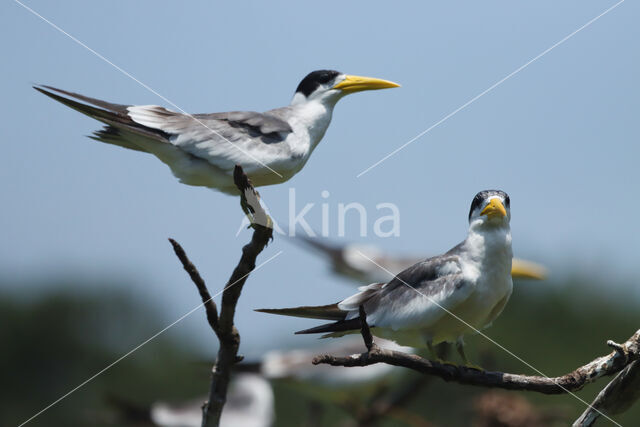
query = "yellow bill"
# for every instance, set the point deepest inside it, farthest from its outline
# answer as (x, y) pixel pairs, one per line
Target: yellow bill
(522, 269)
(495, 208)
(357, 83)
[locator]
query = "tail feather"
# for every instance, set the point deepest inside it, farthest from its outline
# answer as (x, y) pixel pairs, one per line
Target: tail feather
(113, 135)
(108, 111)
(121, 130)
(339, 326)
(353, 302)
(326, 312)
(109, 106)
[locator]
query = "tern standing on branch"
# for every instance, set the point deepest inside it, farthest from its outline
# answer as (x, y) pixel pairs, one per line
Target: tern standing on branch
(203, 149)
(439, 299)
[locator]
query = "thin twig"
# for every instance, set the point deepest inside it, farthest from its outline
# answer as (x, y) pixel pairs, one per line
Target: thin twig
(228, 334)
(209, 304)
(575, 380)
(223, 325)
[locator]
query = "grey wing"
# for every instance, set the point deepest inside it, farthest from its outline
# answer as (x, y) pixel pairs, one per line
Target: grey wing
(251, 122)
(222, 139)
(421, 294)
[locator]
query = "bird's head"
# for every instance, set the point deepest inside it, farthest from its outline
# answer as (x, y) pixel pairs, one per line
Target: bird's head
(490, 208)
(329, 86)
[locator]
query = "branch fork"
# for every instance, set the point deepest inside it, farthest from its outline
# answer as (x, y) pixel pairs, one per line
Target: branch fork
(222, 324)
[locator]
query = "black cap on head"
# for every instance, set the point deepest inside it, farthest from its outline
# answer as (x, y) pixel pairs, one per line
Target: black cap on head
(315, 79)
(484, 195)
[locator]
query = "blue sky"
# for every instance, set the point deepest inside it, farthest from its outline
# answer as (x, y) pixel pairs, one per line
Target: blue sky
(561, 137)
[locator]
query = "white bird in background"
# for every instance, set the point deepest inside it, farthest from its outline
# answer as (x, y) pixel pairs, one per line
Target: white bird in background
(203, 149)
(296, 364)
(362, 263)
(439, 299)
(250, 403)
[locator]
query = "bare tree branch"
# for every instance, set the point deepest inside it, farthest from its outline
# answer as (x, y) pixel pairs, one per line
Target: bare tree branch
(209, 304)
(623, 355)
(618, 396)
(223, 325)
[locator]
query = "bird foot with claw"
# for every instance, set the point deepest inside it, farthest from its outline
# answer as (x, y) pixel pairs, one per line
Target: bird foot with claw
(373, 349)
(474, 367)
(445, 362)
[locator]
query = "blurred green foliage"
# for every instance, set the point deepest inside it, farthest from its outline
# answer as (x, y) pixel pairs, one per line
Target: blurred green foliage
(54, 342)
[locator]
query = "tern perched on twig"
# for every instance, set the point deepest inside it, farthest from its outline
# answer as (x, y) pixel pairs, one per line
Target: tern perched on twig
(439, 299)
(203, 149)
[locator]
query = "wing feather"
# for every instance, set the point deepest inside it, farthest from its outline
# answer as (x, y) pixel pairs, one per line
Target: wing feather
(222, 139)
(419, 295)
(416, 297)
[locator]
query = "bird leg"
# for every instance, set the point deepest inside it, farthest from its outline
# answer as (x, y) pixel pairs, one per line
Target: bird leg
(365, 331)
(246, 209)
(432, 351)
(439, 352)
(250, 205)
(460, 348)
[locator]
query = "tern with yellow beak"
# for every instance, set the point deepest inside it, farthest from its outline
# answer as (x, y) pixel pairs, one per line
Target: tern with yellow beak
(439, 299)
(203, 149)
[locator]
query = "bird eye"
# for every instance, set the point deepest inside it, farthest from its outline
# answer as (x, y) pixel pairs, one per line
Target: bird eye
(507, 201)
(324, 78)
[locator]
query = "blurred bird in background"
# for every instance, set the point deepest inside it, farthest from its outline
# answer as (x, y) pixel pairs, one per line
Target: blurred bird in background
(296, 364)
(250, 403)
(347, 260)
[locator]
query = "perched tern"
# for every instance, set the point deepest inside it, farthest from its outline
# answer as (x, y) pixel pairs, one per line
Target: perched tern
(368, 263)
(439, 299)
(203, 149)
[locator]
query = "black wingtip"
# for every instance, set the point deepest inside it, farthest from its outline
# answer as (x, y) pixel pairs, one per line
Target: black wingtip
(339, 326)
(46, 89)
(266, 310)
(40, 89)
(325, 312)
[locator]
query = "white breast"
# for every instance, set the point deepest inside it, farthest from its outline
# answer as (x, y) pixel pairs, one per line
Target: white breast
(487, 262)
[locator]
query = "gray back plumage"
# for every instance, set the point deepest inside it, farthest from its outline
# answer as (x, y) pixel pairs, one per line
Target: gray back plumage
(436, 279)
